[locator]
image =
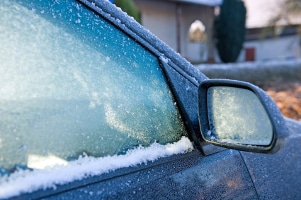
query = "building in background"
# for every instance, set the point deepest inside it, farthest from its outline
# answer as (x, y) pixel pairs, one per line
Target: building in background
(171, 20)
(263, 44)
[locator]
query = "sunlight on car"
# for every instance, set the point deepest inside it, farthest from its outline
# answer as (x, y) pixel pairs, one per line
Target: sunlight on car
(42, 162)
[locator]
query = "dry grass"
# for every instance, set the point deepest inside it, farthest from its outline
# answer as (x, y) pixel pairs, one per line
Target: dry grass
(287, 96)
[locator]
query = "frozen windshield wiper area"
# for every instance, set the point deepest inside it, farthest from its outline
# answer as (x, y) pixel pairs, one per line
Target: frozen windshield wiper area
(73, 87)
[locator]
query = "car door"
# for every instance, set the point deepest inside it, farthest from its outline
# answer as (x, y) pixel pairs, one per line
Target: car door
(93, 106)
(276, 176)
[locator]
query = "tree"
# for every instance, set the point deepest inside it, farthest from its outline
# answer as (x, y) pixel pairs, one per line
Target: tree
(130, 8)
(230, 29)
(289, 10)
(287, 15)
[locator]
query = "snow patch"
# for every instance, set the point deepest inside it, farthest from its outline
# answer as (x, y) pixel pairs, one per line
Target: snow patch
(164, 59)
(26, 181)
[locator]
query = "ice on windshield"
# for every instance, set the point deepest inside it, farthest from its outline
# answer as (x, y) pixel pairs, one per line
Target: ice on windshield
(73, 84)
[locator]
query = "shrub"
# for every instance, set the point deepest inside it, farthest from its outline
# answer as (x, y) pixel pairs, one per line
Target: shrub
(230, 29)
(129, 7)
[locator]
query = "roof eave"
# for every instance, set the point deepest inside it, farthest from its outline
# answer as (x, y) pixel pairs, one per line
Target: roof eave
(201, 2)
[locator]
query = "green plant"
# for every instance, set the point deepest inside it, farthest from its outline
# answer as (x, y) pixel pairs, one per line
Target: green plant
(130, 8)
(230, 29)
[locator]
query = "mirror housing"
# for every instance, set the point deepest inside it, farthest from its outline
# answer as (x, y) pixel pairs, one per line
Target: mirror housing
(239, 115)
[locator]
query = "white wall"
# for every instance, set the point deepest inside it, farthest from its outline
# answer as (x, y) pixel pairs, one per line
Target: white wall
(160, 18)
(275, 48)
(190, 13)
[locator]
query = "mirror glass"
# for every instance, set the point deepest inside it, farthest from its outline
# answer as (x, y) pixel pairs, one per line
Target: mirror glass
(237, 116)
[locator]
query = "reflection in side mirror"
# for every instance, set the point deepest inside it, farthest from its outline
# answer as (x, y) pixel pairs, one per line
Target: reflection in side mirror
(237, 116)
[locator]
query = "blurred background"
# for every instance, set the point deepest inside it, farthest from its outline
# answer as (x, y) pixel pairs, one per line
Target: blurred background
(250, 40)
(269, 24)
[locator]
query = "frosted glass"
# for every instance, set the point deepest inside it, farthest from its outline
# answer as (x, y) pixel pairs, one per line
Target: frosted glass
(237, 116)
(73, 84)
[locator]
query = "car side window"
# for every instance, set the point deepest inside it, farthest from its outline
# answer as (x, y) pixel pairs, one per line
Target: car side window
(72, 84)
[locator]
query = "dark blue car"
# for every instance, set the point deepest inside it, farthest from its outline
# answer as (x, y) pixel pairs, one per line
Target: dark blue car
(93, 106)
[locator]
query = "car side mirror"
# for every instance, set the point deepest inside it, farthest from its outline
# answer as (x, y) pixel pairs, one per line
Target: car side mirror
(239, 115)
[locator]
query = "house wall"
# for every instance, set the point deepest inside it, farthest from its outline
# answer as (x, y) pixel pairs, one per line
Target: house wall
(160, 17)
(197, 52)
(285, 47)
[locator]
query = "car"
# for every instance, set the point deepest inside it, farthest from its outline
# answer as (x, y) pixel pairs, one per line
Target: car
(94, 106)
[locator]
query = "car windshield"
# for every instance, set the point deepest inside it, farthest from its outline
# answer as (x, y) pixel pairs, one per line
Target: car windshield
(72, 84)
